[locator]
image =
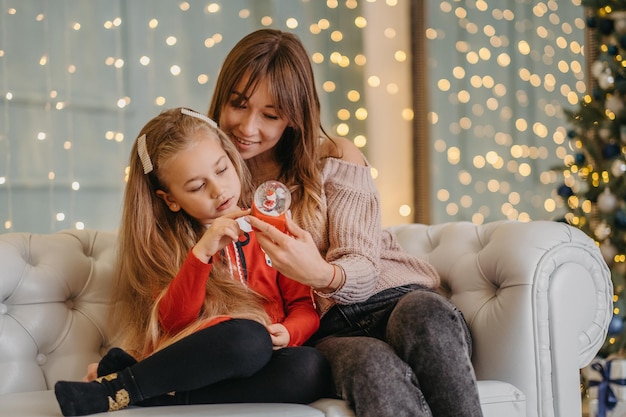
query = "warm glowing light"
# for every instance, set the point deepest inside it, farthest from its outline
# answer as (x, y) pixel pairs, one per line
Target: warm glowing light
(405, 210)
(499, 82)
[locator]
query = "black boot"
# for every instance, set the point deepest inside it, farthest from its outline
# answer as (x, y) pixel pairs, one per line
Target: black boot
(109, 393)
(115, 360)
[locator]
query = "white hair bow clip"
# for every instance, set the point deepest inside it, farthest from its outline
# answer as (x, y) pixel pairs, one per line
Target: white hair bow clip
(142, 151)
(199, 116)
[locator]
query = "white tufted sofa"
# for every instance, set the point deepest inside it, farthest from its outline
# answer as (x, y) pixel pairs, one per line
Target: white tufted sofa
(537, 297)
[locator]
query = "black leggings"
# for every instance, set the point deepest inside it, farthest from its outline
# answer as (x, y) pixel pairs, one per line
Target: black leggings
(231, 362)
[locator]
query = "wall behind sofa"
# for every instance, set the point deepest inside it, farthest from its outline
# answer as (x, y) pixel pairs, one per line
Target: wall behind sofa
(78, 79)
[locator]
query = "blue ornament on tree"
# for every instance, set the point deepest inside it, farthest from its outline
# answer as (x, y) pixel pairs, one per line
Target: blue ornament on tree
(579, 158)
(613, 50)
(620, 218)
(597, 93)
(592, 22)
(564, 191)
(605, 26)
(616, 326)
(620, 84)
(610, 150)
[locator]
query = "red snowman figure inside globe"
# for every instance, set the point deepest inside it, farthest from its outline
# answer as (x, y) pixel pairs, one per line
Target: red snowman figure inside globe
(271, 202)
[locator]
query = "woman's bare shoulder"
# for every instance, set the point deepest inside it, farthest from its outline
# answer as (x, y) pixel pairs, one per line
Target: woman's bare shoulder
(343, 149)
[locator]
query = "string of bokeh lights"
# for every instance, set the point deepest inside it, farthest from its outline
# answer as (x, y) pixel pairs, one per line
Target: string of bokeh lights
(534, 62)
(346, 117)
(500, 168)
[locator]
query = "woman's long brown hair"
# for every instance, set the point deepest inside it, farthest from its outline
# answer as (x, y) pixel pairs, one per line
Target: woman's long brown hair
(280, 59)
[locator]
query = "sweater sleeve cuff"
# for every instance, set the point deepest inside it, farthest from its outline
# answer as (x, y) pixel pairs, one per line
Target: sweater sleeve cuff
(193, 262)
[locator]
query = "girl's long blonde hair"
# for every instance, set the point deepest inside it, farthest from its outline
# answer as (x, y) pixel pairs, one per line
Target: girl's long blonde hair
(154, 242)
(280, 59)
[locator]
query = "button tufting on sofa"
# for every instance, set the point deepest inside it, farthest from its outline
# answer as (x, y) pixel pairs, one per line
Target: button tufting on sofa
(41, 359)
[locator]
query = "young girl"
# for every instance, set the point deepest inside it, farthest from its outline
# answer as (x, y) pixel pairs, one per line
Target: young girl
(396, 347)
(199, 306)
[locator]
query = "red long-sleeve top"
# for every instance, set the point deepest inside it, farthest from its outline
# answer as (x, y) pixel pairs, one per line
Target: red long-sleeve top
(288, 301)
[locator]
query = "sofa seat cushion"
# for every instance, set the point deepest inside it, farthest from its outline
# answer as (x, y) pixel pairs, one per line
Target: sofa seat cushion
(44, 404)
(499, 399)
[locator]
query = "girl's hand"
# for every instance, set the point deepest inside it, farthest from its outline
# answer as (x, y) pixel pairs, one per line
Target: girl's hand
(279, 334)
(222, 232)
(294, 255)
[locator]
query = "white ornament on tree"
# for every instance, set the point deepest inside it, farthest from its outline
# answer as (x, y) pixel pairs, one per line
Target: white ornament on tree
(614, 103)
(619, 21)
(618, 167)
(602, 231)
(604, 133)
(596, 69)
(620, 25)
(606, 80)
(607, 201)
(581, 187)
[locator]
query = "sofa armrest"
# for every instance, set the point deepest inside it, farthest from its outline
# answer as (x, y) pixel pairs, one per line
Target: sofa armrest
(537, 297)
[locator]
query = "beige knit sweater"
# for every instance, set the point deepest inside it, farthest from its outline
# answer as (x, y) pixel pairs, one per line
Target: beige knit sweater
(353, 238)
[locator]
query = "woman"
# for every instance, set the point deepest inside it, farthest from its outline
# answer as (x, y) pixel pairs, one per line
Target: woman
(396, 347)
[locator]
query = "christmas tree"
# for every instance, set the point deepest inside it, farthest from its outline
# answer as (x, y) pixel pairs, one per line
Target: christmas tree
(594, 186)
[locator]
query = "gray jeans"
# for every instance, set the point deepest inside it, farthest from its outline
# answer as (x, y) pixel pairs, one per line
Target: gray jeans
(405, 352)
